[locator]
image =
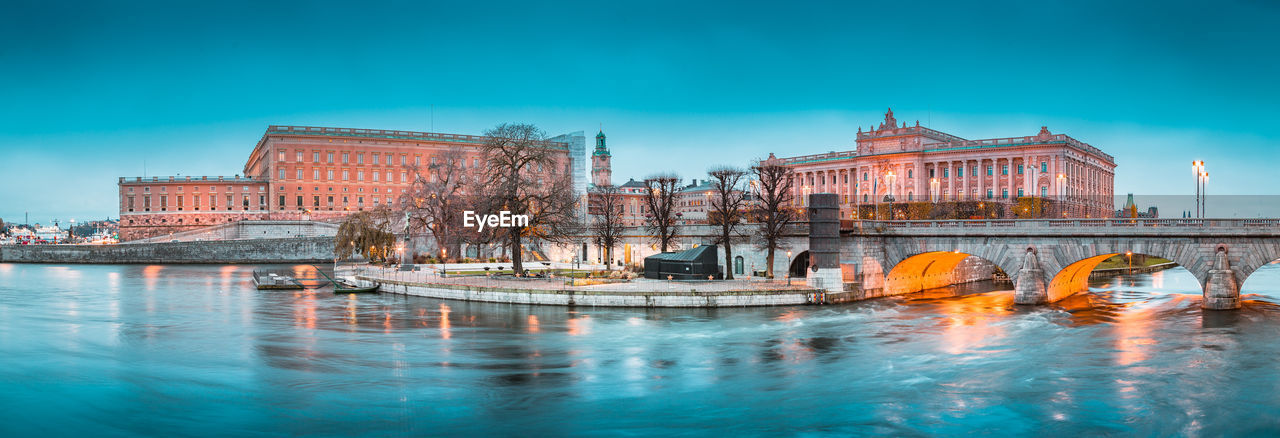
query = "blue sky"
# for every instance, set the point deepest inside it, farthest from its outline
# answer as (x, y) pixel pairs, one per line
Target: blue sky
(88, 90)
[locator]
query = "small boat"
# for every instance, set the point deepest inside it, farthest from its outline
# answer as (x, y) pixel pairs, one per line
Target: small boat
(273, 281)
(347, 286)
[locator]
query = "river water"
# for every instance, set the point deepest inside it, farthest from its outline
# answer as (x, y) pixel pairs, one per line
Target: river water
(103, 350)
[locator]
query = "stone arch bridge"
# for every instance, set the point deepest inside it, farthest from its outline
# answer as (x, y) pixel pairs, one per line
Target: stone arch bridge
(1047, 259)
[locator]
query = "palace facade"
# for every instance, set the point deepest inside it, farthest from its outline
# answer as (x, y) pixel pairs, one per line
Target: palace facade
(903, 165)
(303, 173)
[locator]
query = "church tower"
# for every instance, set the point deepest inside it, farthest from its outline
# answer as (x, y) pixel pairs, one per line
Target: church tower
(601, 174)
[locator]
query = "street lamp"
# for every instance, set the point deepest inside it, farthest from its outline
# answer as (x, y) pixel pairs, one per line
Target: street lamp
(1197, 171)
(1129, 254)
(889, 179)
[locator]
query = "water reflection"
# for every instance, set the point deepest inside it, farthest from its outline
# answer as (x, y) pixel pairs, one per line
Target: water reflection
(1135, 356)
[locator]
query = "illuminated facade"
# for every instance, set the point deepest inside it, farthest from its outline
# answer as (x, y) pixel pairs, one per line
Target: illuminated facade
(915, 164)
(299, 173)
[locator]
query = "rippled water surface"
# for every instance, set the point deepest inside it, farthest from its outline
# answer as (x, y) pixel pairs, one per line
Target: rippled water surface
(196, 350)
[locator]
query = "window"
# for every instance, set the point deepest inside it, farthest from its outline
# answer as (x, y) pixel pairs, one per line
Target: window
(1004, 169)
(299, 156)
(282, 173)
(375, 176)
(910, 174)
(417, 160)
(960, 172)
(910, 197)
(346, 158)
(359, 175)
(989, 194)
(315, 201)
(1044, 192)
(846, 179)
(388, 159)
(359, 158)
(299, 173)
(864, 197)
(329, 175)
(974, 171)
(281, 201)
(280, 156)
(433, 161)
(346, 175)
(315, 157)
(331, 157)
(315, 174)
(402, 159)
(1044, 167)
(1019, 169)
(388, 176)
(1020, 193)
(299, 201)
(1004, 194)
(945, 172)
(931, 172)
(737, 265)
(989, 171)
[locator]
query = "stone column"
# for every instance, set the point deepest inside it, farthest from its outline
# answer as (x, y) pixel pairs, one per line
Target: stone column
(1221, 289)
(1030, 286)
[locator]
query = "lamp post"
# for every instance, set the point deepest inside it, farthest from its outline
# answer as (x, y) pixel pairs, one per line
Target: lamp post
(1204, 195)
(1197, 171)
(889, 179)
(1062, 193)
(1129, 254)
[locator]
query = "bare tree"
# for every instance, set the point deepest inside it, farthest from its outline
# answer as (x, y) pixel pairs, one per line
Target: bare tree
(726, 210)
(775, 208)
(367, 233)
(605, 207)
(524, 177)
(436, 199)
(660, 197)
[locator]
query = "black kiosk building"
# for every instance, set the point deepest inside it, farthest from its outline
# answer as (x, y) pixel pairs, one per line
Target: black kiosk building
(692, 264)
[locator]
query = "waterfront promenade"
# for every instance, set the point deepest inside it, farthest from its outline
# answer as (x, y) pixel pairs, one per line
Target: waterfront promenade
(561, 290)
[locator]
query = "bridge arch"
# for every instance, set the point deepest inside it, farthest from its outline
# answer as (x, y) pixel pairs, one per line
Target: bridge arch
(934, 269)
(799, 267)
(1074, 278)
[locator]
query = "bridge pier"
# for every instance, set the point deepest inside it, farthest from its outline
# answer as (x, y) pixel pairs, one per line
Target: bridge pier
(1030, 287)
(1221, 288)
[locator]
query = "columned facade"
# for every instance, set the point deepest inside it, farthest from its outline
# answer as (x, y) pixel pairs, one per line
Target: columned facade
(917, 164)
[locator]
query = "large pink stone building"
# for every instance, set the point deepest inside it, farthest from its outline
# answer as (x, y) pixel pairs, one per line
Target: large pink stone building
(918, 164)
(298, 173)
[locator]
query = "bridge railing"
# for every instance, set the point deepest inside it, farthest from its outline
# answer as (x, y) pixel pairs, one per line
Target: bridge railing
(1065, 223)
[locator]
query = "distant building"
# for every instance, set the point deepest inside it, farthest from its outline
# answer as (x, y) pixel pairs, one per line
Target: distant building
(1130, 210)
(918, 164)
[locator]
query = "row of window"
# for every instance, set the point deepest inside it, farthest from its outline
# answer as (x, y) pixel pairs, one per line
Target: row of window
(1004, 194)
(195, 202)
(329, 175)
(329, 201)
(196, 189)
(385, 158)
(1004, 170)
